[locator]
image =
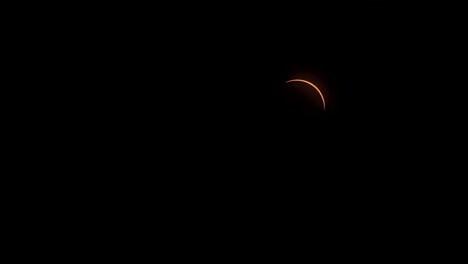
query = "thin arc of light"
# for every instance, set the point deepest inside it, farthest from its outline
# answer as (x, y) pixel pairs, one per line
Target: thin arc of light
(311, 84)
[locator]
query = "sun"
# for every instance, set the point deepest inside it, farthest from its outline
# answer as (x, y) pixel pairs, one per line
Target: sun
(311, 84)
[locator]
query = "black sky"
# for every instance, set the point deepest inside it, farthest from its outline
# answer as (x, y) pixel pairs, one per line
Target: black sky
(201, 87)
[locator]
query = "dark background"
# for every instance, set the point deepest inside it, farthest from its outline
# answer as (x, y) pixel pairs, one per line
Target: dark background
(208, 67)
(184, 105)
(213, 74)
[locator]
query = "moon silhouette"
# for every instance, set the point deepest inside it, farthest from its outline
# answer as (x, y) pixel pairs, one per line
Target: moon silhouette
(311, 84)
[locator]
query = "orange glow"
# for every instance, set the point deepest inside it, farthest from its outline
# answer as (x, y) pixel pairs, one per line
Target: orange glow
(311, 84)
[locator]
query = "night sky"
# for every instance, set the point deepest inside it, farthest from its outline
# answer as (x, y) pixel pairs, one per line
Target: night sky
(192, 98)
(210, 72)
